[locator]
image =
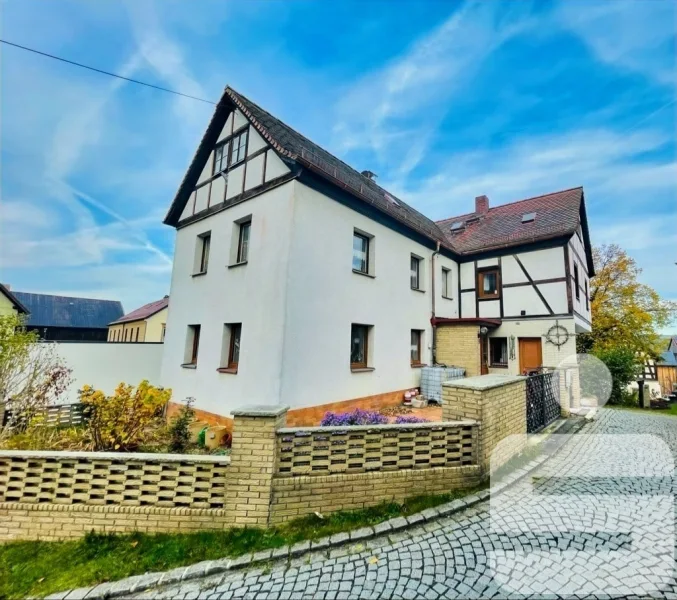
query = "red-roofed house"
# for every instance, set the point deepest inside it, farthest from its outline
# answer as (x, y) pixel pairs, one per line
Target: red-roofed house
(299, 280)
(145, 324)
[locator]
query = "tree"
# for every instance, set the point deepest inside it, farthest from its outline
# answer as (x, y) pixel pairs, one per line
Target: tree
(32, 375)
(625, 312)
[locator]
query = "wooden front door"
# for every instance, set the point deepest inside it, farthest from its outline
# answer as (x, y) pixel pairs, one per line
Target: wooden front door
(484, 355)
(531, 354)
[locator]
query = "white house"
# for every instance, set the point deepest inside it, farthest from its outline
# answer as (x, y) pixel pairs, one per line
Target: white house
(298, 280)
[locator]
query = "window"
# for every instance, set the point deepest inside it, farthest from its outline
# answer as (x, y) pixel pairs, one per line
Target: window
(359, 346)
(221, 158)
(416, 335)
(126, 332)
(234, 345)
(137, 334)
(243, 242)
(576, 282)
(498, 352)
(164, 330)
(446, 284)
(415, 275)
(360, 253)
(487, 283)
(587, 298)
(239, 148)
(203, 244)
(192, 345)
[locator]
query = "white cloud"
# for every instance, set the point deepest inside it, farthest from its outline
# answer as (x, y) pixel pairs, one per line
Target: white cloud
(411, 94)
(604, 161)
(633, 35)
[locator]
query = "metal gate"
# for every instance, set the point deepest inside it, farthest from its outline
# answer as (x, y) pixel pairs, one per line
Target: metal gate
(542, 400)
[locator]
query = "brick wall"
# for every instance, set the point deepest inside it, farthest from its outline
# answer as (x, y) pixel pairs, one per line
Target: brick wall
(297, 496)
(25, 521)
(458, 345)
(498, 402)
(56, 495)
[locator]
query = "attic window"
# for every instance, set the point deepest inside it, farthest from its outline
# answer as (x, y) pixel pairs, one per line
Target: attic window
(392, 200)
(472, 220)
(529, 217)
(457, 225)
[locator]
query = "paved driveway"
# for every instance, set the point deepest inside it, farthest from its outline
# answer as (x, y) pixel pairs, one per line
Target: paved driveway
(597, 519)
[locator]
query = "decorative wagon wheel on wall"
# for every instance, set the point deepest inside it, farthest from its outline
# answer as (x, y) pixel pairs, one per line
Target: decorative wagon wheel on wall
(557, 335)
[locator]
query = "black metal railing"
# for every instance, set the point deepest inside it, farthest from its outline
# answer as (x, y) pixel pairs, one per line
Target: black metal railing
(543, 405)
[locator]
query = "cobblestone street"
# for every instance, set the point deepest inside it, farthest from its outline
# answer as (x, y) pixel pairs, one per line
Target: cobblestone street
(598, 521)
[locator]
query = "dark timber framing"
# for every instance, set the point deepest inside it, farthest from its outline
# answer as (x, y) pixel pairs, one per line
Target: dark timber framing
(533, 284)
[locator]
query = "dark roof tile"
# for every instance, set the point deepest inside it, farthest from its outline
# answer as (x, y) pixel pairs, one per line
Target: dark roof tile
(65, 311)
(147, 310)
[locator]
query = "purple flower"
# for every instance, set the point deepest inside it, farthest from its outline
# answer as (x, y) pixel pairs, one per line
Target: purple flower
(404, 419)
(354, 417)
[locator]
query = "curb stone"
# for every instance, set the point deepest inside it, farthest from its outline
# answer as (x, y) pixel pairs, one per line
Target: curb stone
(139, 583)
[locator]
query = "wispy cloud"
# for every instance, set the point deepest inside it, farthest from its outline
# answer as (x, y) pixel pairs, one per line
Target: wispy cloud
(407, 98)
(632, 35)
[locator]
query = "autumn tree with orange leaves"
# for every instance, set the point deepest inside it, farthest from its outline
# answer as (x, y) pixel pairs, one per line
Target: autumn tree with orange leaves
(625, 312)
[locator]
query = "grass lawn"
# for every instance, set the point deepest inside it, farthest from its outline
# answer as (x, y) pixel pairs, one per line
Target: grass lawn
(41, 568)
(671, 411)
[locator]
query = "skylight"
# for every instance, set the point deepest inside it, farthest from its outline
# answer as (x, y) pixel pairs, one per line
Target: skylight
(392, 200)
(455, 226)
(529, 217)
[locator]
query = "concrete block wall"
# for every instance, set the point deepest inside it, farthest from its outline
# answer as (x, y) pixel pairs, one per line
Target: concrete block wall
(498, 402)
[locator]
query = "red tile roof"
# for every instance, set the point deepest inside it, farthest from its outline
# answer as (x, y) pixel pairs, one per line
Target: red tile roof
(557, 214)
(147, 310)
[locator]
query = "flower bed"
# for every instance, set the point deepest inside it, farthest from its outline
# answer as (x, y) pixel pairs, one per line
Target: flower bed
(366, 417)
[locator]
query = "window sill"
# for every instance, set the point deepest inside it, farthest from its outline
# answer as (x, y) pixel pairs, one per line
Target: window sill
(418, 290)
(417, 365)
(199, 273)
(230, 370)
(189, 366)
(362, 369)
(497, 297)
(363, 273)
(498, 366)
(240, 264)
(447, 297)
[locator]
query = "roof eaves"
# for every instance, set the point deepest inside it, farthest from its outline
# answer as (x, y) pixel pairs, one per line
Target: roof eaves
(14, 300)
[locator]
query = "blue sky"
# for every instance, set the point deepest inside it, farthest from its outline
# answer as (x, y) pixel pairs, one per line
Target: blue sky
(444, 101)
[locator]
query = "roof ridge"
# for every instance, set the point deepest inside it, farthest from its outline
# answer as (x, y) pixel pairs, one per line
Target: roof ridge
(370, 183)
(69, 297)
(578, 187)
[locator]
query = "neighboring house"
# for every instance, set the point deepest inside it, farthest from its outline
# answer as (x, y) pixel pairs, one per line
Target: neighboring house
(666, 372)
(65, 318)
(9, 303)
(298, 280)
(145, 324)
(672, 345)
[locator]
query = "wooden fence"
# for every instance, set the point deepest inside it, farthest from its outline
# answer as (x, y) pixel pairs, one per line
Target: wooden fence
(60, 415)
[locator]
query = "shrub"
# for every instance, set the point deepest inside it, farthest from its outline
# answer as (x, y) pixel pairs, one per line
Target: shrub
(354, 417)
(404, 419)
(179, 435)
(124, 420)
(623, 365)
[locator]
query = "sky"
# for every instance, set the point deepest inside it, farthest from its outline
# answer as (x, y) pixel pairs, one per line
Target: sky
(444, 101)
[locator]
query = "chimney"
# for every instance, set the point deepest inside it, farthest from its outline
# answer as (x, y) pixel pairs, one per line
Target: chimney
(369, 174)
(6, 286)
(481, 205)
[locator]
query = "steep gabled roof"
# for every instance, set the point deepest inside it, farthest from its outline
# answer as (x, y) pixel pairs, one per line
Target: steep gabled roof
(295, 148)
(558, 214)
(4, 290)
(66, 311)
(147, 310)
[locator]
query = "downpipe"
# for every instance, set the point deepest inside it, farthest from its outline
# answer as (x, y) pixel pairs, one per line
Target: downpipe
(433, 356)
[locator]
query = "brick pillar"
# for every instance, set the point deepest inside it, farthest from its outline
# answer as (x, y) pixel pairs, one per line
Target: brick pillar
(498, 402)
(249, 479)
